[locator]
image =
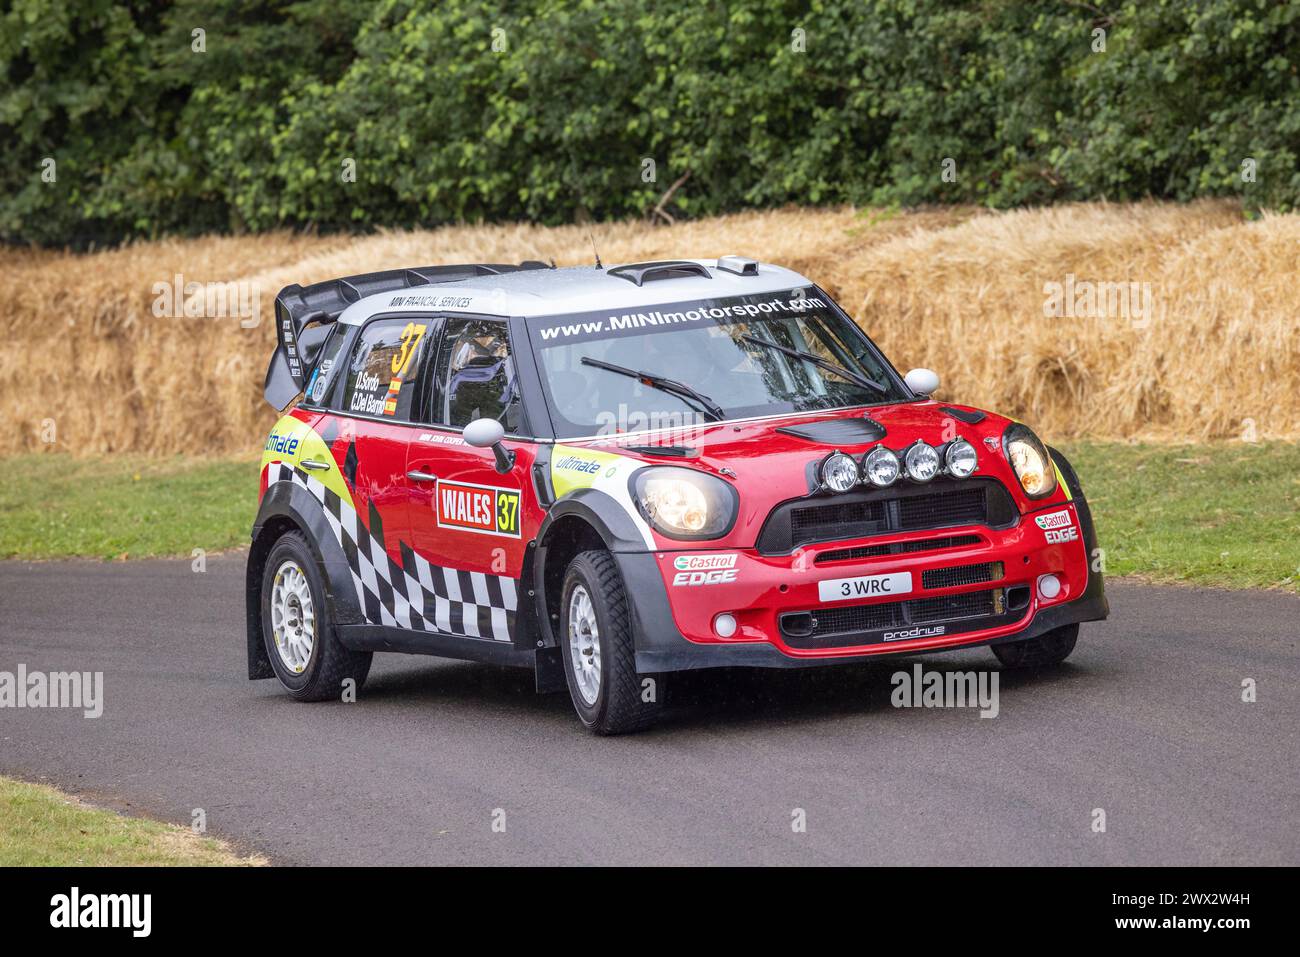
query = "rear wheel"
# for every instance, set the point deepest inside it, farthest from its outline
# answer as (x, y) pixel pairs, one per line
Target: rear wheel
(1044, 651)
(599, 659)
(297, 628)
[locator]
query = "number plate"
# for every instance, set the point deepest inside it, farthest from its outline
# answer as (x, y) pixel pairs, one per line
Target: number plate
(865, 586)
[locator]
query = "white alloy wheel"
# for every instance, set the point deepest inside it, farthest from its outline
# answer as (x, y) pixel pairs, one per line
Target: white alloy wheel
(293, 616)
(584, 644)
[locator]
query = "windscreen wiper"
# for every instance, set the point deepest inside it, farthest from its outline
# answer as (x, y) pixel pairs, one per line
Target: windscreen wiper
(671, 386)
(817, 360)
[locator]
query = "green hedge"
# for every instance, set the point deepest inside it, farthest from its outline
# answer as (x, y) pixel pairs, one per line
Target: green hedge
(557, 121)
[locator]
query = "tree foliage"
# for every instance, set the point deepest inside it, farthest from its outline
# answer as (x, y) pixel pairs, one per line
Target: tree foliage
(347, 114)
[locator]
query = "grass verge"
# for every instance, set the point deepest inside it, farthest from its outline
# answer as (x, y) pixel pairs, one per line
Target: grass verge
(1223, 514)
(41, 827)
(58, 506)
(1216, 514)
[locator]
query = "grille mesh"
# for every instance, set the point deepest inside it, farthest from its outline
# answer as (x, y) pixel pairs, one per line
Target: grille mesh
(834, 621)
(970, 604)
(894, 614)
(820, 521)
(961, 575)
(867, 513)
(957, 507)
(898, 548)
(830, 520)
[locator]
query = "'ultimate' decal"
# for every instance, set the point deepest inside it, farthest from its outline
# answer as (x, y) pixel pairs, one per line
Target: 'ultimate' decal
(485, 509)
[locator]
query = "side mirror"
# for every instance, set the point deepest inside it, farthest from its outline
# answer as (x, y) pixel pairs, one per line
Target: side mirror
(487, 434)
(922, 381)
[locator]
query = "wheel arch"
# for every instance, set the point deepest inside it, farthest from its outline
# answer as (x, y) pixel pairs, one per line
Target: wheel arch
(1096, 580)
(288, 508)
(583, 520)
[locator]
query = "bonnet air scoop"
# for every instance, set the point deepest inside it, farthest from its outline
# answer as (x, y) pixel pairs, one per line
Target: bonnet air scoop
(641, 273)
(856, 431)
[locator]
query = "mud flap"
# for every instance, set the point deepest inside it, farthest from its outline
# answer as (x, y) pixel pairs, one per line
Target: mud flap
(548, 673)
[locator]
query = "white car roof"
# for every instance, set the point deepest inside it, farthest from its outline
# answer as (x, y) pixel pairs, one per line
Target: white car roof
(574, 289)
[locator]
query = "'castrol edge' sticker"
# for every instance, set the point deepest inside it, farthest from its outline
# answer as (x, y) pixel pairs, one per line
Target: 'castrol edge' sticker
(704, 569)
(1059, 519)
(1058, 527)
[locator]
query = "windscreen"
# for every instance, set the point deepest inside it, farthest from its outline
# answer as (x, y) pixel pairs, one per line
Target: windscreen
(736, 358)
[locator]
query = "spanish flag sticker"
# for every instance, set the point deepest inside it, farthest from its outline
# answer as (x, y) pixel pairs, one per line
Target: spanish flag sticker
(390, 400)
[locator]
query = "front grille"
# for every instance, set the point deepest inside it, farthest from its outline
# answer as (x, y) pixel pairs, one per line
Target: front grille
(971, 604)
(961, 575)
(897, 548)
(821, 627)
(818, 522)
(836, 621)
(962, 507)
(863, 514)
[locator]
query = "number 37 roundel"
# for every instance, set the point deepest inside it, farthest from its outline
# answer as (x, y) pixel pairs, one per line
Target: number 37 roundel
(478, 508)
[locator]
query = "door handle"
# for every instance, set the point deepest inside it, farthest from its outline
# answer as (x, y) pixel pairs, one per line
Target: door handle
(415, 475)
(314, 465)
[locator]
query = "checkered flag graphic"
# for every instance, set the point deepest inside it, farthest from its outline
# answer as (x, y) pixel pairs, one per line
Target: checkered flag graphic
(416, 593)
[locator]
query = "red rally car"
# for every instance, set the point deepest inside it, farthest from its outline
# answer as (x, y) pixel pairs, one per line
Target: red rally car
(611, 474)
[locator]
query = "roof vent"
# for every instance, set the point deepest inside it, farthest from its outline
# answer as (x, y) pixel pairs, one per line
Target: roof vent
(739, 265)
(641, 273)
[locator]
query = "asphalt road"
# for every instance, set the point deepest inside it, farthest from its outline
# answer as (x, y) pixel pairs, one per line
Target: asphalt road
(1145, 722)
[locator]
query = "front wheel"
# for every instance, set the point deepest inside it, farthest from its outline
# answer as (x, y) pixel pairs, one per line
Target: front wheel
(599, 657)
(1048, 649)
(306, 655)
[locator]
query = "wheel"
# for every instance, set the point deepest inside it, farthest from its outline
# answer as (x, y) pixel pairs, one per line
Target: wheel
(1048, 649)
(599, 660)
(307, 657)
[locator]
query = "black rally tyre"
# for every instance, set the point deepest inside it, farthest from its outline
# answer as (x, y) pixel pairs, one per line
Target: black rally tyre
(1048, 649)
(294, 605)
(596, 637)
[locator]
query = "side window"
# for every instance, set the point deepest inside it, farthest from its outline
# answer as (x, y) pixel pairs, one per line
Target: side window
(382, 376)
(476, 375)
(322, 376)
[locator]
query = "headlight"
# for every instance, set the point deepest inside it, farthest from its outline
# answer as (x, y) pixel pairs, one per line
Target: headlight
(839, 472)
(881, 467)
(921, 462)
(1030, 461)
(683, 503)
(960, 459)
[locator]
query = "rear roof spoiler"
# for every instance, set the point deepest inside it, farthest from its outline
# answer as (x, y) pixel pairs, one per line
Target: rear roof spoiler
(304, 314)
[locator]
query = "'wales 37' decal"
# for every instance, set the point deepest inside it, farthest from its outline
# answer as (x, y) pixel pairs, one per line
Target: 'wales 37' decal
(485, 509)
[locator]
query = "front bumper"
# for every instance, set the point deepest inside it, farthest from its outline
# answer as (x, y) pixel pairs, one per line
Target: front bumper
(771, 595)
